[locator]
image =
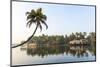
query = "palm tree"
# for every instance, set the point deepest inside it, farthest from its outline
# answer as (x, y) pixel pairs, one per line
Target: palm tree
(37, 17)
(84, 34)
(77, 35)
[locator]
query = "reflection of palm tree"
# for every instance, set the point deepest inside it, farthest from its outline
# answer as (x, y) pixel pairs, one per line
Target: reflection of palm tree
(43, 51)
(36, 17)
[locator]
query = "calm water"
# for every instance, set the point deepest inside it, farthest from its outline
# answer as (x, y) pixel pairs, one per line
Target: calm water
(51, 54)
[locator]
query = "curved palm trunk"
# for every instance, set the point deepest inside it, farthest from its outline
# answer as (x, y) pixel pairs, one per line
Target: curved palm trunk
(27, 39)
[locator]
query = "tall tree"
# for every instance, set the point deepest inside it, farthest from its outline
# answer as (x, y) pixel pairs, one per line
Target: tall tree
(37, 17)
(84, 34)
(77, 35)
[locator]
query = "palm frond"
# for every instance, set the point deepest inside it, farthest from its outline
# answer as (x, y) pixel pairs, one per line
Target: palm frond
(30, 24)
(40, 27)
(44, 17)
(39, 10)
(27, 24)
(32, 11)
(31, 14)
(36, 17)
(30, 21)
(30, 17)
(27, 13)
(44, 24)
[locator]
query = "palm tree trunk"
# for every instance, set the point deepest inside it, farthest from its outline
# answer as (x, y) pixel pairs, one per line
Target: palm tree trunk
(27, 39)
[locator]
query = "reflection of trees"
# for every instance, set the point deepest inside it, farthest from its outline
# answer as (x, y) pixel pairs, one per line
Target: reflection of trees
(77, 51)
(54, 45)
(43, 51)
(92, 49)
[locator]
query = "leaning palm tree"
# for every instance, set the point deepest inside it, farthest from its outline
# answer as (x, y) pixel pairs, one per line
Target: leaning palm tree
(36, 17)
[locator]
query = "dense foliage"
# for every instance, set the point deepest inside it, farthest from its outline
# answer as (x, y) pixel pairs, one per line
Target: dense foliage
(63, 39)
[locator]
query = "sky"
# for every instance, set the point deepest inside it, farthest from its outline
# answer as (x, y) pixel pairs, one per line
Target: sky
(61, 19)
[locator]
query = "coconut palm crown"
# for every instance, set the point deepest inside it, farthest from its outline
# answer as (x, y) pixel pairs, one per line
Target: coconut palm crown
(37, 17)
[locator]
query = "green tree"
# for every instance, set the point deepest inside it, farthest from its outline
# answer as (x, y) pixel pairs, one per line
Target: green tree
(77, 35)
(93, 38)
(37, 17)
(83, 35)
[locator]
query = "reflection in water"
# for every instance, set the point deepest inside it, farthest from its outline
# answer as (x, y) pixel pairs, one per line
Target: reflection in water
(46, 50)
(39, 54)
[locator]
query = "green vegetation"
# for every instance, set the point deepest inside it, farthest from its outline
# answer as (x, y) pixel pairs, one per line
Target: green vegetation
(61, 39)
(58, 44)
(36, 17)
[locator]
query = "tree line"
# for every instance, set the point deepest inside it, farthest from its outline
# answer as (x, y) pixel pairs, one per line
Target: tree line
(63, 39)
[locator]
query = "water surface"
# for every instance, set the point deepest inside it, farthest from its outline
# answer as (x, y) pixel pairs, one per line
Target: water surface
(51, 54)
